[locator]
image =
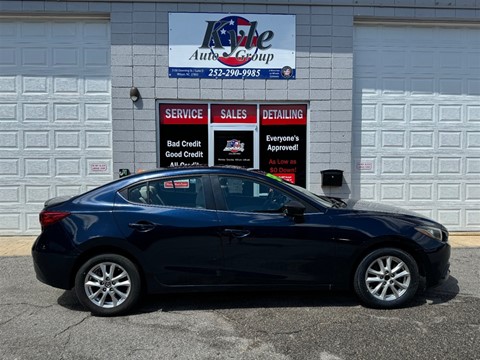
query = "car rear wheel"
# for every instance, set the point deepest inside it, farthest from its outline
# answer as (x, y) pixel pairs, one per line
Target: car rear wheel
(108, 284)
(386, 278)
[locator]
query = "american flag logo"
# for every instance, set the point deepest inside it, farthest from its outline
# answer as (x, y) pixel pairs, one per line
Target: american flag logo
(234, 146)
(241, 28)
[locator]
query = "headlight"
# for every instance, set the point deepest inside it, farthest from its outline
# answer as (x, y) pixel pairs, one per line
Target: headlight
(433, 232)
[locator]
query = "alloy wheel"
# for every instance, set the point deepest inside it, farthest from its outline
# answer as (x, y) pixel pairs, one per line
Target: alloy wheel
(387, 278)
(107, 285)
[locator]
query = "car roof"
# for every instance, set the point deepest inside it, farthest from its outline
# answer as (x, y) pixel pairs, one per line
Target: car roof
(196, 169)
(185, 170)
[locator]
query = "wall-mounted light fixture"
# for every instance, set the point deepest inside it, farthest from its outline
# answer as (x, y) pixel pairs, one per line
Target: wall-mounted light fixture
(134, 94)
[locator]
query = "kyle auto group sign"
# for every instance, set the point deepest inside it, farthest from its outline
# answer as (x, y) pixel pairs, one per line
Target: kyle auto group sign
(229, 46)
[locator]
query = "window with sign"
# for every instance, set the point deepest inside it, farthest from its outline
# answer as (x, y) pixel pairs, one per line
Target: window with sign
(184, 192)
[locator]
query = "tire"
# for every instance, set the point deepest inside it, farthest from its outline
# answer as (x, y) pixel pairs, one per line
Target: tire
(386, 278)
(108, 285)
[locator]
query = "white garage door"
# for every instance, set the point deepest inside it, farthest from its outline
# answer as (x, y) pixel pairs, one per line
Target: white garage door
(417, 120)
(55, 114)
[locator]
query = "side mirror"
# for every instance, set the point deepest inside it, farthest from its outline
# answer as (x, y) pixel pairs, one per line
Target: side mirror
(294, 209)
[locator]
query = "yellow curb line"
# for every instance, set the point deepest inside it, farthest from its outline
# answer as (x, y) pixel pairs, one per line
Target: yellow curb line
(22, 245)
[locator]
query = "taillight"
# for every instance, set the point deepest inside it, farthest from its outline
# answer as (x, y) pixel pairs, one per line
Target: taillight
(51, 217)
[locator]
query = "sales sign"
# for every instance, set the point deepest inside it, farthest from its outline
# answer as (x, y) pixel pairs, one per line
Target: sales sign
(230, 46)
(234, 114)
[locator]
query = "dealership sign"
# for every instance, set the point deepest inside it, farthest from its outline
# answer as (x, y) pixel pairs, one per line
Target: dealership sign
(221, 46)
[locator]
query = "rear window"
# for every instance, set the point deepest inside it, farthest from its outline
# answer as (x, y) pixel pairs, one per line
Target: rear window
(177, 192)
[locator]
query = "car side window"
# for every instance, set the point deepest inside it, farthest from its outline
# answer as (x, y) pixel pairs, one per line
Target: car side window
(247, 195)
(176, 192)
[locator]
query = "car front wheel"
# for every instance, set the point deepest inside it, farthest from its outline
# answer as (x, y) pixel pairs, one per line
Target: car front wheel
(108, 284)
(386, 278)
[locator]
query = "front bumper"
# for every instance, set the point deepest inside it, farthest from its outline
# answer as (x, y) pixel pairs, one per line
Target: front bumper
(439, 270)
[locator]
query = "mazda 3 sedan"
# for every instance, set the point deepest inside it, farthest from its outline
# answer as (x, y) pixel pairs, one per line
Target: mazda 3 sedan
(219, 228)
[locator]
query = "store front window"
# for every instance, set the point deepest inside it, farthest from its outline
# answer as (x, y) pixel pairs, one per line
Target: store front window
(267, 136)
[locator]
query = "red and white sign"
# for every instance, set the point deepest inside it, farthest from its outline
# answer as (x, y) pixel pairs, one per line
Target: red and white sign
(366, 165)
(234, 114)
(287, 177)
(177, 184)
(179, 114)
(98, 168)
(283, 114)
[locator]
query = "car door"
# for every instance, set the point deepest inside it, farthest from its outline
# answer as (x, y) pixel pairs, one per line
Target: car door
(264, 246)
(175, 227)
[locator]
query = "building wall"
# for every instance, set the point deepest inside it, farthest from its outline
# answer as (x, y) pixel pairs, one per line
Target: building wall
(139, 57)
(324, 79)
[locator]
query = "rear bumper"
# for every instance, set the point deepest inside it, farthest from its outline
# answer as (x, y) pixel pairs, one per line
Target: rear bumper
(53, 269)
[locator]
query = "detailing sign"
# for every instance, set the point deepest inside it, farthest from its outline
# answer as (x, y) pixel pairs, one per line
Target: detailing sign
(283, 141)
(221, 46)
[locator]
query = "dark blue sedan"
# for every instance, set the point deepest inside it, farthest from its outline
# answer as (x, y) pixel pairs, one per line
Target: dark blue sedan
(215, 228)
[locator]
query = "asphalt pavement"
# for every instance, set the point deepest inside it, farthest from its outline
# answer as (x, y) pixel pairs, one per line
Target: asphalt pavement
(40, 322)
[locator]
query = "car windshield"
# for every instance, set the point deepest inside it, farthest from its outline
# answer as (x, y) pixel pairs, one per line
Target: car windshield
(323, 200)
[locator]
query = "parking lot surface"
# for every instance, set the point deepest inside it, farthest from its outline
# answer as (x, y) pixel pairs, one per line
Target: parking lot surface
(40, 322)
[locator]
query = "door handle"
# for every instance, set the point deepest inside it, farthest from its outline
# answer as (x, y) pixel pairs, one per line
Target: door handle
(237, 233)
(142, 226)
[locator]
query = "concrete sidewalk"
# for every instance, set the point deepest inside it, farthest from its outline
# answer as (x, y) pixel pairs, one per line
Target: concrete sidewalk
(22, 245)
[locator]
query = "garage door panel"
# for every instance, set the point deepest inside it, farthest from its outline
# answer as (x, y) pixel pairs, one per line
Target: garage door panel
(66, 85)
(8, 85)
(420, 192)
(97, 112)
(416, 139)
(8, 140)
(9, 168)
(473, 166)
(472, 192)
(55, 114)
(472, 218)
(421, 139)
(35, 85)
(97, 85)
(473, 87)
(421, 166)
(449, 191)
(473, 140)
(36, 194)
(421, 86)
(8, 57)
(11, 221)
(449, 217)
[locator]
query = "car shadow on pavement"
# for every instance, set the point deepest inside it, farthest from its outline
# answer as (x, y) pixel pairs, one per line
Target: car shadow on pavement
(440, 294)
(247, 300)
(227, 300)
(262, 299)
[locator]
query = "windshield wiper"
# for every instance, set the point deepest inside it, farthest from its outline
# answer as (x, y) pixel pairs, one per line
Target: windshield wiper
(336, 203)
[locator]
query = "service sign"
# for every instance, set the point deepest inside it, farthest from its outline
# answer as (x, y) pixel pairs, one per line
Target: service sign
(183, 134)
(187, 114)
(231, 46)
